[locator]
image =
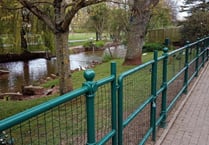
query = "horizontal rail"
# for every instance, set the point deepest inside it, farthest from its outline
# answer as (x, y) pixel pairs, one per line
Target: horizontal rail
(34, 111)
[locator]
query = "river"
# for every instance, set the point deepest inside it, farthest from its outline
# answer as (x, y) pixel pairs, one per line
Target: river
(25, 73)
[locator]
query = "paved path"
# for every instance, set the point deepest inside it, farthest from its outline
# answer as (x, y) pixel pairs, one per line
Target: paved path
(190, 125)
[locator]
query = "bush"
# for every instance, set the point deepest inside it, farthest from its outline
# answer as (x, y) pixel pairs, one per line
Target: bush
(196, 26)
(106, 58)
(150, 47)
(89, 45)
(99, 44)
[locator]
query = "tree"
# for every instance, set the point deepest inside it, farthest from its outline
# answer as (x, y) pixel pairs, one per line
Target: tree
(21, 27)
(192, 6)
(196, 24)
(117, 23)
(58, 23)
(174, 8)
(10, 24)
(139, 19)
(98, 18)
(163, 15)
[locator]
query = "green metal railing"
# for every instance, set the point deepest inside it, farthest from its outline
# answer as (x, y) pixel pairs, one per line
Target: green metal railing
(168, 79)
(84, 116)
(114, 110)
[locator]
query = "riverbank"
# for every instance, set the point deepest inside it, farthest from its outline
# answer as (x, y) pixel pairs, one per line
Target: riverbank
(24, 56)
(47, 55)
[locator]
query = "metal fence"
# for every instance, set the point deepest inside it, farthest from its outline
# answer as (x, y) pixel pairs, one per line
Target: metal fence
(114, 110)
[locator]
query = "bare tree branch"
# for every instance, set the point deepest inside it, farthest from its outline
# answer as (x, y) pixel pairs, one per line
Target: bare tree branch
(76, 5)
(40, 14)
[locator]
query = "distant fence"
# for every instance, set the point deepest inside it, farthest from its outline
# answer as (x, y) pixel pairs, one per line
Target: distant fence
(114, 110)
(159, 35)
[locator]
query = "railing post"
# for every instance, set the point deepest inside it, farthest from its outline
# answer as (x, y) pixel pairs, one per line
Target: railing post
(207, 45)
(186, 66)
(154, 95)
(89, 76)
(165, 85)
(167, 42)
(114, 102)
(203, 55)
(207, 40)
(197, 58)
(120, 111)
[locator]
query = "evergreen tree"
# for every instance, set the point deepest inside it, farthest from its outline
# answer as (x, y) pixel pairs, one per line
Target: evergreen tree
(196, 24)
(192, 6)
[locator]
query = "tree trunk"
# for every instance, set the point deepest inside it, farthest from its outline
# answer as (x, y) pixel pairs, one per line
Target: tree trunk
(24, 45)
(63, 63)
(97, 36)
(140, 16)
(135, 40)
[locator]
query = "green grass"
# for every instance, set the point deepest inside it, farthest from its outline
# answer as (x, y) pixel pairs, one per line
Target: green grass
(9, 108)
(71, 44)
(50, 83)
(81, 36)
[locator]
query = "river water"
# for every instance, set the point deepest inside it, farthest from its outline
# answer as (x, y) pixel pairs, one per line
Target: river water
(24, 73)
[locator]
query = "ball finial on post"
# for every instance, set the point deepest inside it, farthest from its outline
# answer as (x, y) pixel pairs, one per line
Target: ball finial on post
(89, 75)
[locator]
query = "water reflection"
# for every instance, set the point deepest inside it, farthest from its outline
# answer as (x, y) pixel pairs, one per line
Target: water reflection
(24, 73)
(84, 59)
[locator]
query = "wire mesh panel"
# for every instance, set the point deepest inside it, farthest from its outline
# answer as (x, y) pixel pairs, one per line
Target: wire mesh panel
(200, 61)
(174, 88)
(191, 69)
(201, 54)
(158, 106)
(135, 131)
(159, 74)
(64, 124)
(176, 63)
(192, 53)
(136, 90)
(192, 58)
(158, 87)
(103, 112)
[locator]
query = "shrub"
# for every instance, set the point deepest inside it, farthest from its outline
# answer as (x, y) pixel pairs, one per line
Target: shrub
(89, 45)
(99, 44)
(196, 26)
(150, 47)
(106, 58)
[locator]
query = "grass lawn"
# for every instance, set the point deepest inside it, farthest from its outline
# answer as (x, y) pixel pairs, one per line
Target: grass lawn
(81, 36)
